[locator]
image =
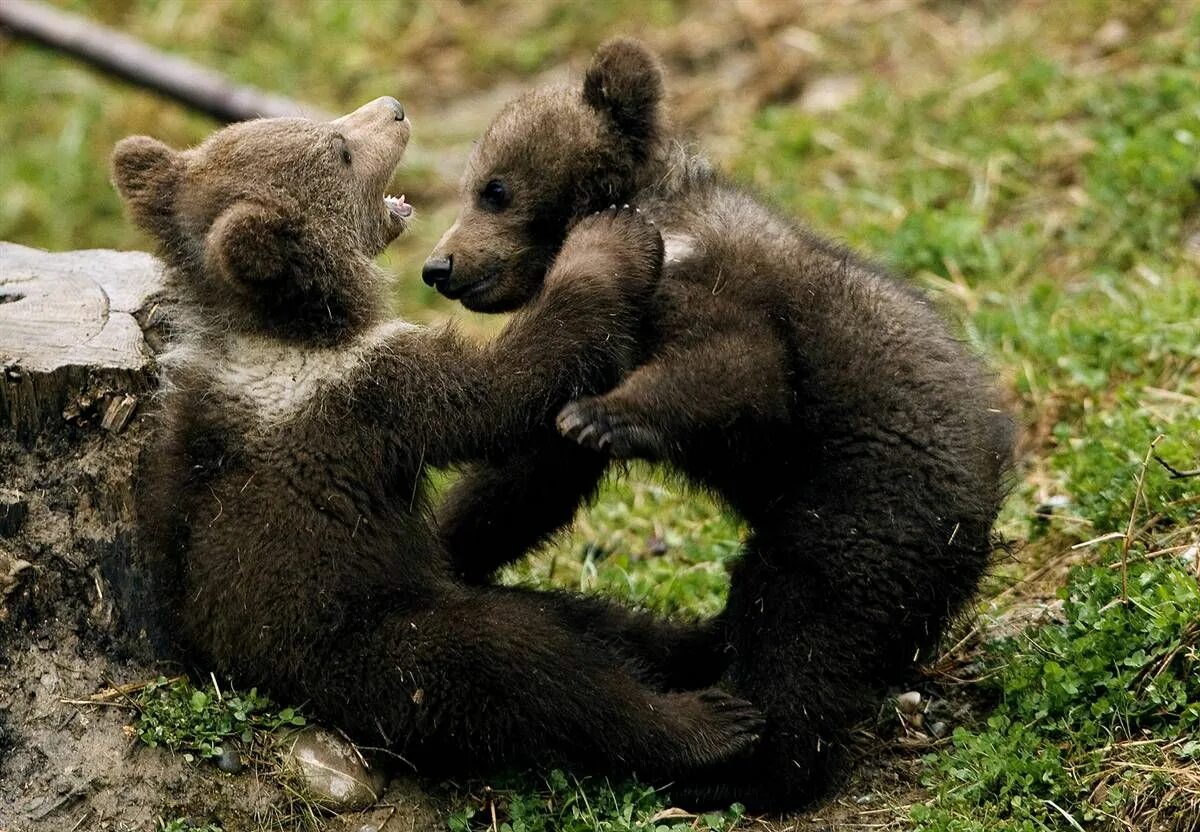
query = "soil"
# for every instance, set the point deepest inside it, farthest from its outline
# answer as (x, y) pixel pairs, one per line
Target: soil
(70, 629)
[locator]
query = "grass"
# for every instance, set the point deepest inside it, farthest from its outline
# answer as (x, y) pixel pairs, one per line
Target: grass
(1035, 166)
(566, 804)
(201, 723)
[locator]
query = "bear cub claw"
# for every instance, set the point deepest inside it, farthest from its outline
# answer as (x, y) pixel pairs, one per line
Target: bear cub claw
(601, 424)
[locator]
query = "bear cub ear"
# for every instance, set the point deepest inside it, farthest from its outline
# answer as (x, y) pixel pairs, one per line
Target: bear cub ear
(625, 81)
(251, 242)
(146, 173)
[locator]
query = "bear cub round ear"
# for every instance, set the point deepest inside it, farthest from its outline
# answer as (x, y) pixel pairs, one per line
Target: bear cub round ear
(625, 81)
(251, 243)
(146, 173)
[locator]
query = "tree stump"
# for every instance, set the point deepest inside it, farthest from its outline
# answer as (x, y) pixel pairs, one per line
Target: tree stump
(77, 342)
(73, 335)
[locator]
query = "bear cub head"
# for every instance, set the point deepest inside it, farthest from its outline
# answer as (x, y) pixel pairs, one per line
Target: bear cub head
(271, 226)
(551, 156)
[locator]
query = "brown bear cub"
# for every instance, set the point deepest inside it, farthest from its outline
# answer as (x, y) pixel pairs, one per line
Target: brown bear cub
(825, 402)
(285, 500)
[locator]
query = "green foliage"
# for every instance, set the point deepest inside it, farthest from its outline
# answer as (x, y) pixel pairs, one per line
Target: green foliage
(565, 804)
(1102, 456)
(197, 721)
(1070, 694)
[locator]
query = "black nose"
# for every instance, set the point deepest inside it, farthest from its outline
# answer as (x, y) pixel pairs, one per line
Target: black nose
(437, 270)
(396, 106)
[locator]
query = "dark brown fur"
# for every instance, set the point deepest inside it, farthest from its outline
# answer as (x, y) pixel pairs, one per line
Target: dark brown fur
(286, 496)
(824, 401)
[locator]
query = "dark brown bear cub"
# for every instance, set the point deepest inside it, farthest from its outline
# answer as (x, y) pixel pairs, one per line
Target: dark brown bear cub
(824, 401)
(285, 496)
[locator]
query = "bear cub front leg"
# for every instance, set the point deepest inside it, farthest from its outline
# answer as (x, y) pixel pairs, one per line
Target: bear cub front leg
(592, 421)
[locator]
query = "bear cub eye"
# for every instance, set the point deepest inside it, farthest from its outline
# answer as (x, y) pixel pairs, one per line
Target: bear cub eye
(346, 155)
(494, 195)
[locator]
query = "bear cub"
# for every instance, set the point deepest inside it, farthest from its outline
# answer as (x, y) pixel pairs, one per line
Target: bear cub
(824, 401)
(284, 500)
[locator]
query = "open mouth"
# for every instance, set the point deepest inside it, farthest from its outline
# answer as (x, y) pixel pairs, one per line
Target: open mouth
(397, 207)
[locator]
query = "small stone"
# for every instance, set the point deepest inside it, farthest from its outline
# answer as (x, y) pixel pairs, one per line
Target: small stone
(230, 760)
(938, 729)
(909, 703)
(1053, 506)
(917, 720)
(657, 545)
(331, 772)
(12, 572)
(367, 827)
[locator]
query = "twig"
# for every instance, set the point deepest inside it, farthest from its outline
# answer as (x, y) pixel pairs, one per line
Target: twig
(1102, 538)
(128, 58)
(100, 704)
(381, 750)
(1137, 497)
(117, 691)
(1159, 553)
(1175, 473)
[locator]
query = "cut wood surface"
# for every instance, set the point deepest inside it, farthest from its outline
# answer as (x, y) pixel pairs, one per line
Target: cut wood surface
(72, 338)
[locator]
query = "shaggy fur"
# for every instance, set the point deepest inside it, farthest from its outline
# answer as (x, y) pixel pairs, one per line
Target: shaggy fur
(822, 400)
(285, 497)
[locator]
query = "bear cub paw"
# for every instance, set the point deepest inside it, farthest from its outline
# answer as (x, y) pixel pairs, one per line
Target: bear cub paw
(620, 240)
(604, 425)
(714, 726)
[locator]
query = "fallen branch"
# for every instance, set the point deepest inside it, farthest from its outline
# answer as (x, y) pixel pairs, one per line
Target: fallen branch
(1175, 473)
(128, 58)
